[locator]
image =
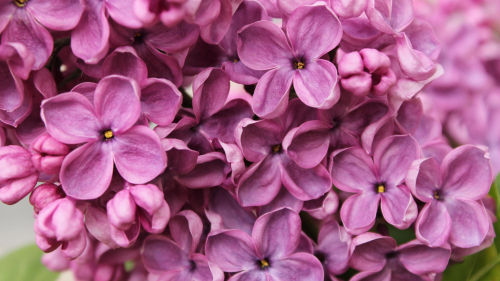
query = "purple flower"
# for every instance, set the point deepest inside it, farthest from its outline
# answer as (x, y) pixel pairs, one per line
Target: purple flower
(109, 137)
(133, 206)
(452, 211)
(312, 32)
(366, 71)
(61, 224)
(379, 258)
(19, 175)
(25, 22)
(176, 258)
(48, 154)
(292, 160)
(45, 194)
(374, 181)
(269, 254)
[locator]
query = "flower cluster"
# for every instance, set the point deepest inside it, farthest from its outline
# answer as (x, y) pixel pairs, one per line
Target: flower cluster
(181, 139)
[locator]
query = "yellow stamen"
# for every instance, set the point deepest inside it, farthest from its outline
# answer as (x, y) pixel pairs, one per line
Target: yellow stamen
(137, 34)
(263, 263)
(436, 194)
(20, 3)
(235, 60)
(108, 134)
(381, 188)
(299, 65)
(276, 148)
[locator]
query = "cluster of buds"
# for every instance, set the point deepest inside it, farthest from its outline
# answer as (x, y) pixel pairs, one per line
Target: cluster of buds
(213, 140)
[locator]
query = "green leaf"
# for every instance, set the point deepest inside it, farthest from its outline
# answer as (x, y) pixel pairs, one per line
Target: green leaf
(460, 271)
(484, 259)
(25, 265)
(401, 235)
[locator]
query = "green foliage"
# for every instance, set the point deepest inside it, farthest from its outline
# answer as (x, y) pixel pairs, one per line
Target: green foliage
(25, 265)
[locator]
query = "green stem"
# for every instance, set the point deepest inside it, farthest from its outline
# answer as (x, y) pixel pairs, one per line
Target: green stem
(485, 269)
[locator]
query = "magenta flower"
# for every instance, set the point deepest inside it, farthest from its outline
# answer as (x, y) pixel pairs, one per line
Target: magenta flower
(45, 194)
(48, 154)
(61, 224)
(25, 22)
(379, 258)
(312, 32)
(269, 254)
(19, 175)
(109, 137)
(366, 71)
(452, 211)
(292, 160)
(176, 258)
(374, 181)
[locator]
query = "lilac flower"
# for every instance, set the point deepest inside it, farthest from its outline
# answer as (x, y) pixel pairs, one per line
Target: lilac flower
(268, 254)
(171, 12)
(322, 207)
(25, 22)
(216, 114)
(133, 206)
(176, 258)
(452, 212)
(379, 258)
(61, 224)
(19, 175)
(376, 180)
(109, 135)
(45, 194)
(48, 154)
(312, 32)
(225, 55)
(366, 71)
(289, 157)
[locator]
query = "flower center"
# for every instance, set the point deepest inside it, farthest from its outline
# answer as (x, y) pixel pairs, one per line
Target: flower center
(21, 3)
(380, 188)
(108, 134)
(264, 263)
(299, 65)
(276, 148)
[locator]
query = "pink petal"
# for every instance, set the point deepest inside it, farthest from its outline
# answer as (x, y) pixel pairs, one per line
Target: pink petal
(307, 145)
(316, 84)
(271, 94)
(420, 259)
(424, 178)
(257, 138)
(469, 222)
(186, 228)
(359, 211)
(368, 251)
(160, 101)
(334, 242)
(125, 62)
(433, 224)
(231, 250)
(211, 170)
(398, 206)
(122, 11)
(210, 91)
(299, 266)
(353, 170)
(57, 15)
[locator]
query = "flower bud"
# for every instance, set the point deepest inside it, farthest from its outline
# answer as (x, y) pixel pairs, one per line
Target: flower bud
(61, 223)
(18, 176)
(155, 210)
(48, 154)
(45, 194)
(121, 210)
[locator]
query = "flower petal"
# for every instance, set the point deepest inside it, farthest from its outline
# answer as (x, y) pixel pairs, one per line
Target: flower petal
(86, 172)
(160, 101)
(138, 155)
(232, 250)
(270, 98)
(186, 228)
(125, 62)
(420, 259)
(334, 242)
(359, 211)
(307, 145)
(316, 84)
(299, 266)
(57, 15)
(433, 225)
(161, 254)
(368, 251)
(398, 206)
(469, 222)
(353, 170)
(211, 170)
(210, 92)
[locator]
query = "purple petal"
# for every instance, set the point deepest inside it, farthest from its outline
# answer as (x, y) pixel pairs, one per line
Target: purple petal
(122, 11)
(424, 178)
(80, 167)
(160, 254)
(348, 9)
(96, 221)
(210, 92)
(211, 170)
(215, 31)
(160, 101)
(305, 184)
(14, 190)
(57, 15)
(260, 183)
(288, 6)
(398, 206)
(271, 94)
(307, 145)
(433, 224)
(23, 28)
(171, 40)
(160, 65)
(469, 222)
(313, 31)
(316, 84)
(368, 251)
(277, 234)
(420, 259)
(322, 207)
(231, 250)
(181, 159)
(250, 275)
(359, 211)
(409, 115)
(125, 62)
(257, 138)
(19, 114)
(241, 74)
(334, 242)
(19, 59)
(263, 45)
(70, 118)
(89, 39)
(394, 156)
(12, 91)
(117, 103)
(186, 228)
(232, 214)
(388, 16)
(6, 12)
(299, 266)
(466, 173)
(154, 212)
(283, 199)
(138, 154)
(353, 170)
(121, 210)
(414, 63)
